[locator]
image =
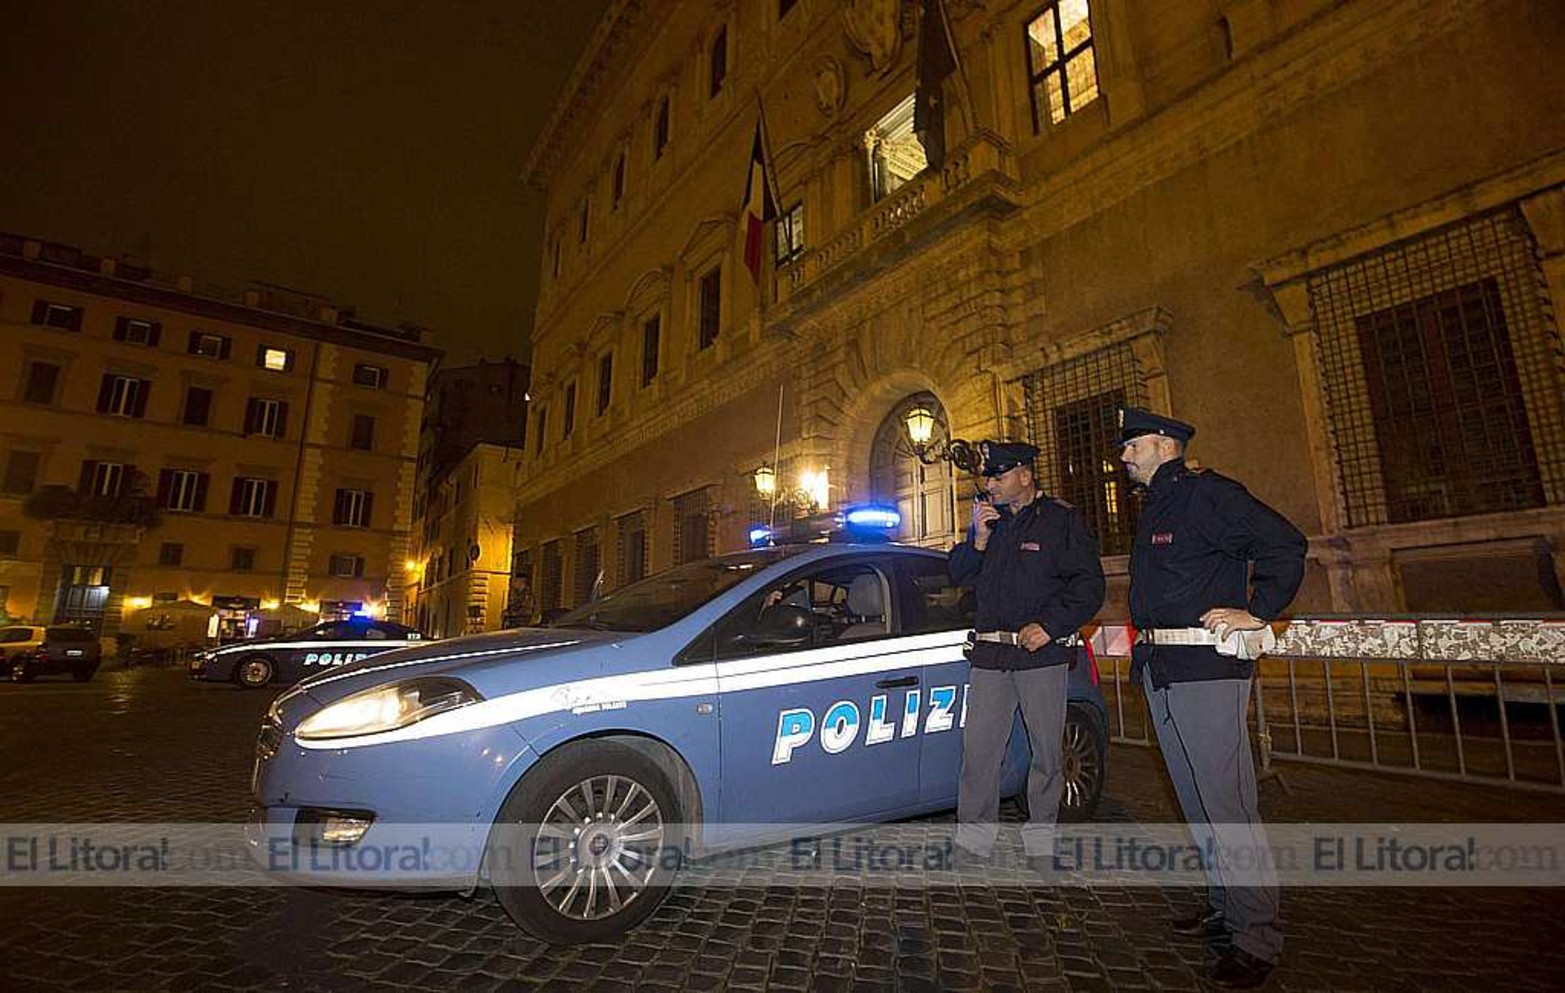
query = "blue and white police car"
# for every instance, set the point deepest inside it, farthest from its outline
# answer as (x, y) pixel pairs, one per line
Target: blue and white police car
(807, 683)
(289, 658)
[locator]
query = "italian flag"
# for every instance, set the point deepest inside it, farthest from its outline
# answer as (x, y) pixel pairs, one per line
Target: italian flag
(760, 205)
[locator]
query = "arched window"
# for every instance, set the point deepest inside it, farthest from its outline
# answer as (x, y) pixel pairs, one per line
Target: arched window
(924, 494)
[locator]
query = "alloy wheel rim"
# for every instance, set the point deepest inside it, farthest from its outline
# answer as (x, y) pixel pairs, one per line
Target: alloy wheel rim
(597, 847)
(254, 673)
(1082, 770)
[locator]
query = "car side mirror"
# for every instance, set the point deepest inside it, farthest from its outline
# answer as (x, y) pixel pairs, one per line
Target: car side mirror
(783, 625)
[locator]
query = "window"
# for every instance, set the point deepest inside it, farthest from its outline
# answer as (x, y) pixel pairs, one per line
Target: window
(182, 490)
(198, 407)
(790, 234)
(839, 602)
(619, 179)
(570, 411)
(275, 359)
(135, 331)
(605, 381)
(123, 396)
(104, 479)
(241, 559)
(352, 509)
(582, 219)
(895, 153)
(552, 568)
(57, 315)
(171, 553)
(660, 130)
(211, 346)
(268, 418)
(935, 603)
(692, 523)
(587, 566)
(10, 547)
(1061, 66)
(543, 423)
(253, 497)
(650, 332)
(21, 472)
(363, 436)
(632, 530)
(372, 376)
(556, 251)
(718, 63)
(347, 566)
(42, 378)
(1073, 413)
(1438, 365)
(711, 310)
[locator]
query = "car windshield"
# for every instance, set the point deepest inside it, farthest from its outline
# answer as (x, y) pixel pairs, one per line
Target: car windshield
(660, 600)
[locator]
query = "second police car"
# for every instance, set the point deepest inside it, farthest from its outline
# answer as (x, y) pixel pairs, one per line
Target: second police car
(286, 659)
(702, 707)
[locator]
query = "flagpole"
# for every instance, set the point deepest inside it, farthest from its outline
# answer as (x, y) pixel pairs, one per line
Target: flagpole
(771, 519)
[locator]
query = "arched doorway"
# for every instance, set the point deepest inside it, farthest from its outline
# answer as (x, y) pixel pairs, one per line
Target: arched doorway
(924, 494)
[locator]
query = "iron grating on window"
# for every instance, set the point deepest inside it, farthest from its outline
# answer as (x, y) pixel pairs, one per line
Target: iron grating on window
(692, 526)
(1442, 376)
(1073, 418)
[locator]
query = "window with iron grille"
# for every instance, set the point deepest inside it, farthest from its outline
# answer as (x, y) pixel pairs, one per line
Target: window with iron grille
(710, 311)
(632, 535)
(1441, 374)
(588, 563)
(1061, 65)
(552, 568)
(692, 526)
(1073, 418)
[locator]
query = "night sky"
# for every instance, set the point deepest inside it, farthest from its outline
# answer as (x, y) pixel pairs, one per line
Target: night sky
(365, 150)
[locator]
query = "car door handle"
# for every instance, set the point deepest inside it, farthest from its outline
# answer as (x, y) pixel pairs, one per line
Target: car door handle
(893, 684)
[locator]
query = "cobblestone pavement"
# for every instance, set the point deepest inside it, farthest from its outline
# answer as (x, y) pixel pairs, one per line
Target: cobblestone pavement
(145, 745)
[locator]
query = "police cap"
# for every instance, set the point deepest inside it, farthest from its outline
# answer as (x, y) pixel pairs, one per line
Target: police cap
(1134, 422)
(1003, 456)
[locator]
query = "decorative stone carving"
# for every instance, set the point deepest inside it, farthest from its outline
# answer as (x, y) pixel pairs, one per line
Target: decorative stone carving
(831, 87)
(874, 27)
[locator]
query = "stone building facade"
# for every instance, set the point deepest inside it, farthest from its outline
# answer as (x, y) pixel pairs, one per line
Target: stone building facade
(1330, 233)
(269, 436)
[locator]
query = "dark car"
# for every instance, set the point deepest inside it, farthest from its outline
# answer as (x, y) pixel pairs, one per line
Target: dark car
(289, 658)
(37, 650)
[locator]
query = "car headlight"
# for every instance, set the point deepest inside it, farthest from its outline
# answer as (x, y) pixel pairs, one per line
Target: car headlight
(386, 708)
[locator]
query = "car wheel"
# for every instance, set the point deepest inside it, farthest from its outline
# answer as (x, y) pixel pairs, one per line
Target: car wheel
(84, 673)
(19, 671)
(1085, 764)
(254, 672)
(585, 847)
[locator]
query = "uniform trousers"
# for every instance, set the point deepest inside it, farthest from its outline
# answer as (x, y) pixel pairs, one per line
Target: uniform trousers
(1205, 741)
(993, 697)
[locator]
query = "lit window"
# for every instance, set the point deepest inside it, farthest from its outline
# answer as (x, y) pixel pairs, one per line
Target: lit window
(790, 234)
(275, 359)
(1061, 65)
(895, 153)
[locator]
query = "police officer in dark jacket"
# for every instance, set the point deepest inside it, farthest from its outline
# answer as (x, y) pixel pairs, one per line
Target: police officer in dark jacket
(1038, 578)
(1211, 566)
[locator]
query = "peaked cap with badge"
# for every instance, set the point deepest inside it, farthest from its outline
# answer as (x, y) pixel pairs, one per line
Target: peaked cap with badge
(1001, 457)
(1135, 423)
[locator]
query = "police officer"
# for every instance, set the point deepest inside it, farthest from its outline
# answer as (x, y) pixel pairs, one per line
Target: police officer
(1199, 625)
(1038, 578)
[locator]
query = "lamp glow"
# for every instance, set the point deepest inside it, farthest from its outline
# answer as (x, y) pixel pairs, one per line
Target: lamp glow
(765, 480)
(920, 425)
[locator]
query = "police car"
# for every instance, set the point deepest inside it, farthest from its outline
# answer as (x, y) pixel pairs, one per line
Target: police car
(701, 708)
(289, 658)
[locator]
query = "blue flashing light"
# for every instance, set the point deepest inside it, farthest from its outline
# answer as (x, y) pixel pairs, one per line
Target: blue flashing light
(760, 536)
(873, 518)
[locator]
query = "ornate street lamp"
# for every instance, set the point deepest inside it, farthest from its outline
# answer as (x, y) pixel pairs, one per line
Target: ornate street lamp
(920, 423)
(766, 480)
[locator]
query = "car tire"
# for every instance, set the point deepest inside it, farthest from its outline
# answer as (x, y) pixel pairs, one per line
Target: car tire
(84, 673)
(254, 672)
(1084, 757)
(560, 857)
(20, 673)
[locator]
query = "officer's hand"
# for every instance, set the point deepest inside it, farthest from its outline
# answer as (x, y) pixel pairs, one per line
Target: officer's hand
(1221, 620)
(984, 516)
(1033, 637)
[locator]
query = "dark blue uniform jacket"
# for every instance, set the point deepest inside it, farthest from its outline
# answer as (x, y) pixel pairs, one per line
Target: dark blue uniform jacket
(1041, 566)
(1197, 536)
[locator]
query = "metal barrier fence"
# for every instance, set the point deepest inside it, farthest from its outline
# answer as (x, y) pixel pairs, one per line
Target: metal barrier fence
(1468, 700)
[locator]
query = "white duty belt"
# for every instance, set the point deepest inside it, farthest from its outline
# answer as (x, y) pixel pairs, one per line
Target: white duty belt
(1237, 644)
(1015, 638)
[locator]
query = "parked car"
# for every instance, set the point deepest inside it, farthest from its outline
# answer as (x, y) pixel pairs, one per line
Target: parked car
(288, 658)
(815, 683)
(31, 650)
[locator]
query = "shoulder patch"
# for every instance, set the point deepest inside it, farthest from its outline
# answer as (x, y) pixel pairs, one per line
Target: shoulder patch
(1062, 503)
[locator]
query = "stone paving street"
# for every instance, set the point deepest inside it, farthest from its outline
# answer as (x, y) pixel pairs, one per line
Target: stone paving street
(145, 745)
